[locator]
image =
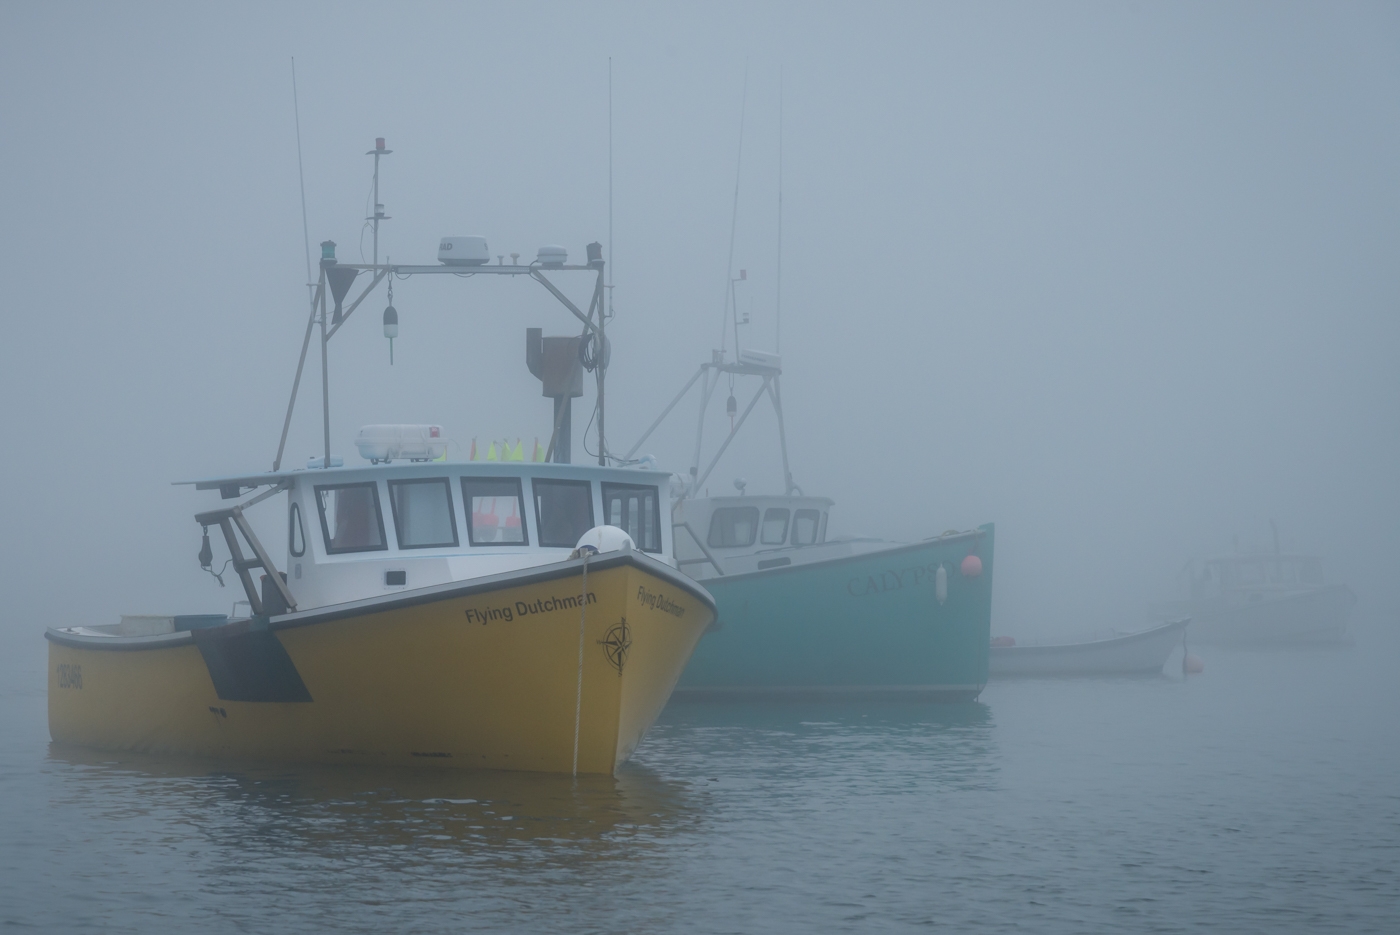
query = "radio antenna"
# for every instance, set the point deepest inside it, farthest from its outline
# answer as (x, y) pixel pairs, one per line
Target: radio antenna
(310, 286)
(734, 218)
(778, 343)
(301, 178)
(612, 259)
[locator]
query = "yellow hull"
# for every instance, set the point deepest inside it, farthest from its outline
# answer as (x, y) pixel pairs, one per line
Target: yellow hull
(476, 675)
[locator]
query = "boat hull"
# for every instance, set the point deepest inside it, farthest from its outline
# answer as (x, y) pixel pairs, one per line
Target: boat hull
(1315, 616)
(1135, 653)
(869, 623)
(477, 674)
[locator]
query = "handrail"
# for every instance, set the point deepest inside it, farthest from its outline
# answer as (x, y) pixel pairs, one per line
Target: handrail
(709, 556)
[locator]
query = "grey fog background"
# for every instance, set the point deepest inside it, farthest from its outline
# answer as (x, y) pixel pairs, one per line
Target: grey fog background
(1120, 278)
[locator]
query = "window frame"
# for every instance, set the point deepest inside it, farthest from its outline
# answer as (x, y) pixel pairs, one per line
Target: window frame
(295, 526)
(519, 499)
(325, 529)
(655, 491)
(714, 517)
(536, 483)
(787, 522)
(816, 525)
(451, 511)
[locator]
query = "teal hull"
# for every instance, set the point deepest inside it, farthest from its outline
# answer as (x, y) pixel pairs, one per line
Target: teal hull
(867, 623)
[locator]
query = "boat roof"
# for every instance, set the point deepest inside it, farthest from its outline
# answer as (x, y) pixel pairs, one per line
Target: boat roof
(535, 468)
(750, 499)
(1261, 557)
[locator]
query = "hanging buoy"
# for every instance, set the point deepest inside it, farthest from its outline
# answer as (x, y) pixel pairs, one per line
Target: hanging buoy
(971, 566)
(391, 329)
(1191, 664)
(940, 583)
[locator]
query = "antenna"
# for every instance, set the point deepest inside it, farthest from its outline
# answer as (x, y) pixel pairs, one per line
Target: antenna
(778, 343)
(310, 286)
(301, 177)
(734, 218)
(612, 259)
(378, 214)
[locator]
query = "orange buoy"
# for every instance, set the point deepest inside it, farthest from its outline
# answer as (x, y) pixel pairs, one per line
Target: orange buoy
(1192, 664)
(971, 566)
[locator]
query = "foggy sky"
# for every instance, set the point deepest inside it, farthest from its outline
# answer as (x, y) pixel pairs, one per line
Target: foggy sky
(1119, 278)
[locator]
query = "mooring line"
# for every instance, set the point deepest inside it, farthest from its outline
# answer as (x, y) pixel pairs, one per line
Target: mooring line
(578, 697)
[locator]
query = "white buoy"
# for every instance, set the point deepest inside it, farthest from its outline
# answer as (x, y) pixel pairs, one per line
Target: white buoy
(604, 539)
(940, 583)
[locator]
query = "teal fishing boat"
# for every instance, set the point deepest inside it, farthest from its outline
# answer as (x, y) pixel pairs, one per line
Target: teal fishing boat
(801, 613)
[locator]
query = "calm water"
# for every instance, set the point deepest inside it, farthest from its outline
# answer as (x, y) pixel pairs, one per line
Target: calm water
(1263, 796)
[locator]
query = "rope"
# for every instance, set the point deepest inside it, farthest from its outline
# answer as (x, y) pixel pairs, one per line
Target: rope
(578, 696)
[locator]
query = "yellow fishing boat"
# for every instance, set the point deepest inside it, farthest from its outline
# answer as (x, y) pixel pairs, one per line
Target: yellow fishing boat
(504, 614)
(511, 670)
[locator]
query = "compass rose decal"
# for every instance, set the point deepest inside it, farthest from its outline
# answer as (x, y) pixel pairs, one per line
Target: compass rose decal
(615, 644)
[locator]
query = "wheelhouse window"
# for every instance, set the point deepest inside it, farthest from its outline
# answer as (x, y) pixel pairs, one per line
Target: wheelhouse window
(423, 513)
(733, 526)
(563, 510)
(296, 536)
(636, 510)
(804, 527)
(350, 518)
(495, 511)
(775, 523)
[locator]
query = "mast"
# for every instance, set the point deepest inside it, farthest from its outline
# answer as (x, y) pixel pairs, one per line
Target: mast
(325, 371)
(378, 213)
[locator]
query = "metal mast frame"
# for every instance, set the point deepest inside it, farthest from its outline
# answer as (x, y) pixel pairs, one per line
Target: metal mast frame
(709, 376)
(591, 328)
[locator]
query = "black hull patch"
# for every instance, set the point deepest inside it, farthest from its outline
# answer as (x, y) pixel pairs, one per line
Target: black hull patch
(249, 664)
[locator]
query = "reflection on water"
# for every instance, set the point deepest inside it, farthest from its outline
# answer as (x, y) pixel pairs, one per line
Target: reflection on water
(333, 810)
(945, 745)
(132, 842)
(1259, 796)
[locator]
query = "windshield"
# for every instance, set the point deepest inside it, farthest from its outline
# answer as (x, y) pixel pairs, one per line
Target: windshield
(564, 511)
(733, 527)
(423, 513)
(495, 510)
(634, 509)
(350, 519)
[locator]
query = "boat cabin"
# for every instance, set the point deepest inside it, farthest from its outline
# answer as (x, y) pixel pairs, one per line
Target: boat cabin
(726, 535)
(360, 532)
(1238, 577)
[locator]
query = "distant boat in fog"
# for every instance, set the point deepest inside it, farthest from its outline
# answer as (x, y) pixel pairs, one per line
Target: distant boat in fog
(1263, 598)
(1143, 652)
(801, 614)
